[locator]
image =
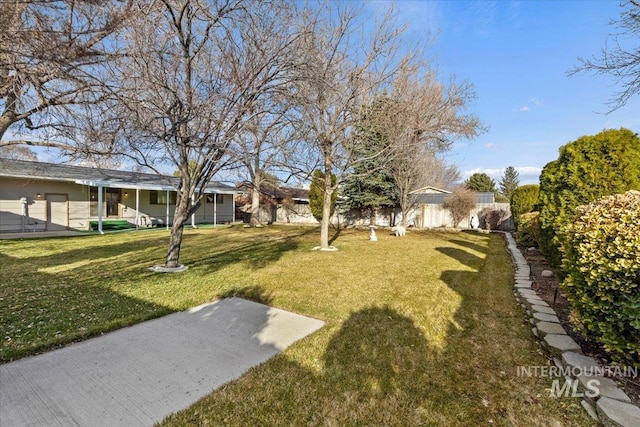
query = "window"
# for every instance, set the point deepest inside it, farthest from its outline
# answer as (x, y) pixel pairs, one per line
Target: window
(160, 197)
(219, 198)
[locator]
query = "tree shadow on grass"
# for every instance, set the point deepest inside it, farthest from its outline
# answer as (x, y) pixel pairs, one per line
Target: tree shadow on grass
(252, 293)
(471, 245)
(41, 311)
(253, 255)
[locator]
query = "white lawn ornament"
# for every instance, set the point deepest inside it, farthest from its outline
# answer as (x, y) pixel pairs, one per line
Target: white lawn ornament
(399, 230)
(373, 236)
(475, 223)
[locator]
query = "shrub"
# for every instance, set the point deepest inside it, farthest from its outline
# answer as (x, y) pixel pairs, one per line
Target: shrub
(523, 200)
(493, 218)
(589, 168)
(602, 264)
(316, 194)
(529, 231)
(459, 203)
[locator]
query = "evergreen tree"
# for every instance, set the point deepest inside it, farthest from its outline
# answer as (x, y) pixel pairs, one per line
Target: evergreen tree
(370, 185)
(316, 194)
(480, 182)
(587, 169)
(509, 182)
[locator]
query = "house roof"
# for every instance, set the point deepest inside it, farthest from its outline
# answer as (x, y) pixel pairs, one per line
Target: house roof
(439, 198)
(430, 190)
(98, 177)
(281, 192)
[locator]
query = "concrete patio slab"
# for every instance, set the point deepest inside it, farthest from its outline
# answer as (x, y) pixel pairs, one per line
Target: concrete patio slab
(138, 375)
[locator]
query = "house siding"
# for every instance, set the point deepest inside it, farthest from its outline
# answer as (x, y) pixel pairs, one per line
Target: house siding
(80, 210)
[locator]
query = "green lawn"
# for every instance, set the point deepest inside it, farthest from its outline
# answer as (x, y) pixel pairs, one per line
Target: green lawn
(420, 330)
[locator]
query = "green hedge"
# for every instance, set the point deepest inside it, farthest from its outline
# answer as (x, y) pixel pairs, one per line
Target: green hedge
(589, 168)
(602, 263)
(529, 231)
(523, 200)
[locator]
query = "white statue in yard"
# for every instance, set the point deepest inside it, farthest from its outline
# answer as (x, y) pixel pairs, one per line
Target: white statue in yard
(373, 236)
(475, 222)
(399, 230)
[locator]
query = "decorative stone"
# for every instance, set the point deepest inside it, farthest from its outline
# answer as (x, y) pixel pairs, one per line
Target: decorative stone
(615, 413)
(575, 360)
(605, 387)
(544, 317)
(542, 309)
(535, 331)
(523, 285)
(162, 269)
(546, 273)
(546, 328)
(557, 362)
(536, 301)
(557, 344)
(590, 410)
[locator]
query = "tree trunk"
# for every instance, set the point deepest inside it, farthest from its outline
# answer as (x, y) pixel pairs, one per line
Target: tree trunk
(326, 204)
(180, 218)
(255, 202)
(404, 206)
(372, 216)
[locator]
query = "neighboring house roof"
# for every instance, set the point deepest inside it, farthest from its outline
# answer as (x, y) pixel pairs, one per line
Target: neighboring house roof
(430, 190)
(98, 177)
(439, 198)
(281, 192)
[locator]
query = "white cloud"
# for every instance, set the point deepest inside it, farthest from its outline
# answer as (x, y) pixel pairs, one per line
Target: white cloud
(531, 102)
(489, 145)
(535, 101)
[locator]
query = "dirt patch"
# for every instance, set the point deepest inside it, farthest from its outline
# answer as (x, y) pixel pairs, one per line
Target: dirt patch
(547, 288)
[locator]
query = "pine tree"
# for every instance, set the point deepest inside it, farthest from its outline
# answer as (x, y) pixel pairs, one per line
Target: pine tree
(480, 182)
(370, 185)
(509, 182)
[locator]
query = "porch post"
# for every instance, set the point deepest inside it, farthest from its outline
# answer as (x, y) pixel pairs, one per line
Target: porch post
(100, 209)
(167, 209)
(137, 209)
(233, 208)
(215, 208)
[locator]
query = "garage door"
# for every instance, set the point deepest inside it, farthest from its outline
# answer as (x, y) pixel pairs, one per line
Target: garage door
(57, 212)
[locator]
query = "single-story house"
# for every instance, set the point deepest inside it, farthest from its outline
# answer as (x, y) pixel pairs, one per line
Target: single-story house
(37, 196)
(282, 205)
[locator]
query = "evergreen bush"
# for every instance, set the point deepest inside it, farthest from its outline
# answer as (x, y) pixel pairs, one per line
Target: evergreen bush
(528, 233)
(523, 200)
(587, 169)
(602, 266)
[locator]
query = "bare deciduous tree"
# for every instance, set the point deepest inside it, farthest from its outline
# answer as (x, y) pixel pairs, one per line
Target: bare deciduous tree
(49, 52)
(460, 203)
(17, 152)
(423, 117)
(267, 140)
(189, 84)
(342, 68)
(618, 60)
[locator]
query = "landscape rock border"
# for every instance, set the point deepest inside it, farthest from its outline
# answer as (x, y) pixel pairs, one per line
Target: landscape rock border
(611, 407)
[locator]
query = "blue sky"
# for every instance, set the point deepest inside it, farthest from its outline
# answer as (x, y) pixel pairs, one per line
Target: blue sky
(517, 55)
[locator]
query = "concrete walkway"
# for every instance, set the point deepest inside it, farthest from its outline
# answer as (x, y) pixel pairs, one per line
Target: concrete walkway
(138, 375)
